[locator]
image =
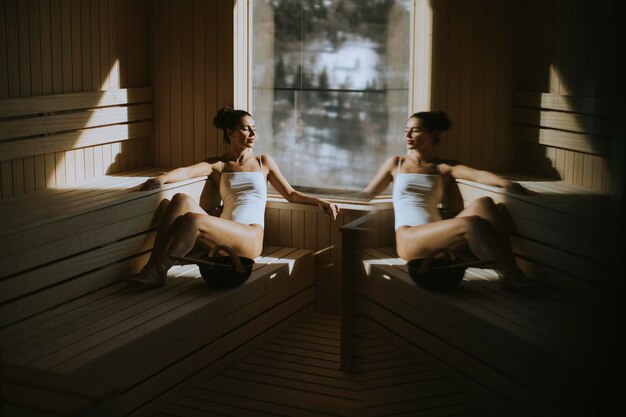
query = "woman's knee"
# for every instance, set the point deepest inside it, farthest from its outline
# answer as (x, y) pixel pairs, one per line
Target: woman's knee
(181, 200)
(472, 224)
(485, 202)
(188, 221)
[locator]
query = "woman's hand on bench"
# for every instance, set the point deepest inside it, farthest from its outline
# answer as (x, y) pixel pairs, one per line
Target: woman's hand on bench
(516, 188)
(152, 183)
(331, 209)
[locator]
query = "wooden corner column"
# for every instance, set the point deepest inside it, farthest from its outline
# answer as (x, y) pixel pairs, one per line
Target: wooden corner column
(352, 234)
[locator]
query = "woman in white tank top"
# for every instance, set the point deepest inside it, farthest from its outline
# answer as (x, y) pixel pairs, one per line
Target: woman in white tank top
(242, 180)
(419, 179)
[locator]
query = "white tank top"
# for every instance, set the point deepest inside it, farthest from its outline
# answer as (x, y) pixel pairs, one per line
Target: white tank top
(415, 198)
(244, 195)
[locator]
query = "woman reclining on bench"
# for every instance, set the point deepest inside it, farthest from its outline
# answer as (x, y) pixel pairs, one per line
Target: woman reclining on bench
(242, 179)
(418, 185)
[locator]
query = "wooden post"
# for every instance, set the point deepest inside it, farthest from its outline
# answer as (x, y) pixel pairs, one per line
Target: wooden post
(351, 235)
(347, 286)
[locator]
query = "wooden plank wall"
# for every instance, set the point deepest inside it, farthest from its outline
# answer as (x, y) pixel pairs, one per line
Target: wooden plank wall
(302, 226)
(192, 42)
(472, 78)
(65, 46)
(569, 48)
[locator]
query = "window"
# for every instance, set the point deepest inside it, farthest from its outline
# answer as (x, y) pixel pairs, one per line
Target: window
(329, 87)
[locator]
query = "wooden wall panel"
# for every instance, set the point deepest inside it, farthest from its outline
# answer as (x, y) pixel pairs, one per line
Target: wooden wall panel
(472, 78)
(193, 66)
(225, 71)
(63, 46)
(4, 76)
(569, 49)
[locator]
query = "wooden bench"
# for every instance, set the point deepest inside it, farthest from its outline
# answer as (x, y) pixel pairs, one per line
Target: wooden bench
(555, 354)
(144, 349)
(66, 315)
(59, 244)
(562, 235)
(88, 344)
(73, 339)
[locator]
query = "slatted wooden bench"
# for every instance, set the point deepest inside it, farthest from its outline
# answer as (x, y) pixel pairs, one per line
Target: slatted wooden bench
(567, 230)
(66, 315)
(88, 344)
(561, 235)
(58, 244)
(554, 354)
(73, 339)
(146, 348)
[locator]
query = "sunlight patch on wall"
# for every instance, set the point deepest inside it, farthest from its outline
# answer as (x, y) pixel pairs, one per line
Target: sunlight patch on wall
(112, 78)
(558, 85)
(103, 122)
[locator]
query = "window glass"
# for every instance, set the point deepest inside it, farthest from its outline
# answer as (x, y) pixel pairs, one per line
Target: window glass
(330, 83)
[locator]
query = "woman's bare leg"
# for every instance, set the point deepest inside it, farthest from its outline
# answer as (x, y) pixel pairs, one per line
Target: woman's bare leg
(191, 224)
(472, 231)
(485, 208)
(178, 206)
(245, 240)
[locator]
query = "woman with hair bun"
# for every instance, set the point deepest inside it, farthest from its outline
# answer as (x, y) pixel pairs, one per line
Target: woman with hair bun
(241, 177)
(419, 179)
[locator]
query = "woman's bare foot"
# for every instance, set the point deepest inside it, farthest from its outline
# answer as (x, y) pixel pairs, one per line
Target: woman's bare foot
(516, 281)
(150, 276)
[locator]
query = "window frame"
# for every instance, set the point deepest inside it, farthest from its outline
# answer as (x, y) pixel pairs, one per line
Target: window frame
(420, 58)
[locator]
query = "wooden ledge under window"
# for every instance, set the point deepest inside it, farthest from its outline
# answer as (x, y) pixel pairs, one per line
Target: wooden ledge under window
(346, 206)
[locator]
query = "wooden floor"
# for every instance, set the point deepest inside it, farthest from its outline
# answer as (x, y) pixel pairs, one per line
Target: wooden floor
(297, 374)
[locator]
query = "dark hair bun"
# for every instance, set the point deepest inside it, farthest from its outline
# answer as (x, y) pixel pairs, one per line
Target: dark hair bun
(222, 119)
(228, 118)
(434, 120)
(441, 121)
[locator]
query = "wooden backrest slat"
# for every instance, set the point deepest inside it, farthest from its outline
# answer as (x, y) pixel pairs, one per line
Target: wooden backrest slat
(39, 125)
(576, 124)
(570, 122)
(74, 121)
(62, 102)
(36, 223)
(74, 139)
(562, 139)
(570, 104)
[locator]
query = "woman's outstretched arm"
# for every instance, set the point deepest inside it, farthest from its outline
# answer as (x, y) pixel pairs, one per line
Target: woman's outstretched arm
(179, 174)
(281, 185)
(481, 176)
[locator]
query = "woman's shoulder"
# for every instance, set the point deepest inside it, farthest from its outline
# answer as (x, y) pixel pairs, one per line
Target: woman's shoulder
(447, 163)
(265, 158)
(394, 160)
(215, 163)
